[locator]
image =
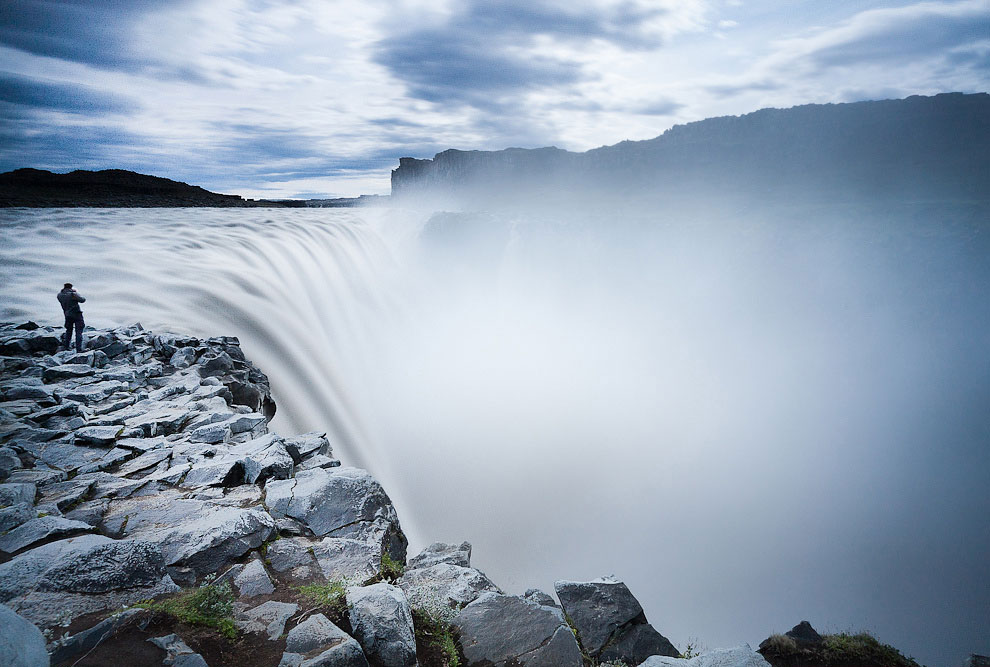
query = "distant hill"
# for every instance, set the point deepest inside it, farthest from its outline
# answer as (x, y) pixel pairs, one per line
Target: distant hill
(108, 188)
(919, 148)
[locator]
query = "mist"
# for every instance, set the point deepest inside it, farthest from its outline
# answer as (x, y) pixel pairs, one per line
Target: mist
(751, 416)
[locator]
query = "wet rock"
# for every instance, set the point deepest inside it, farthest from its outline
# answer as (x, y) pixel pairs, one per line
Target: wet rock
(501, 630)
(604, 611)
(39, 529)
(21, 642)
(740, 656)
(382, 623)
(317, 633)
(439, 552)
(269, 618)
(253, 580)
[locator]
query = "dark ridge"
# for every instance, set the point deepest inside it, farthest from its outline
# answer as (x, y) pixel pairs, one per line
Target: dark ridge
(915, 149)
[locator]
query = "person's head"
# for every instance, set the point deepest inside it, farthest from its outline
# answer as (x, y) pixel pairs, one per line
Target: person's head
(67, 286)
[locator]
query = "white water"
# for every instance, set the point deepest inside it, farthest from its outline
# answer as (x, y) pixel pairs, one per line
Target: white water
(751, 425)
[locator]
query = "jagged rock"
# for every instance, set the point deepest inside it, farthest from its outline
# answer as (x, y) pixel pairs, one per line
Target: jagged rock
(93, 358)
(25, 391)
(539, 597)
(82, 574)
(211, 433)
(604, 611)
(36, 476)
(319, 461)
(21, 642)
(454, 585)
(301, 447)
(90, 512)
(253, 580)
(269, 617)
(145, 461)
(85, 641)
(264, 458)
(98, 436)
(439, 552)
(38, 529)
(976, 660)
(92, 393)
(740, 656)
(15, 515)
(164, 420)
(502, 630)
(67, 372)
(194, 533)
(184, 357)
(177, 653)
(318, 633)
(67, 409)
(804, 635)
(382, 623)
(340, 502)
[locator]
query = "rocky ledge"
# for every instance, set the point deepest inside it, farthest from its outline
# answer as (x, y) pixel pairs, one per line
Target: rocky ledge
(148, 516)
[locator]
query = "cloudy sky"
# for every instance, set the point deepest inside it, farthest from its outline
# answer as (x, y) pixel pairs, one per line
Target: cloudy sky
(315, 98)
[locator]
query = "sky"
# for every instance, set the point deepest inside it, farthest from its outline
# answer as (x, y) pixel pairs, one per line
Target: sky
(319, 98)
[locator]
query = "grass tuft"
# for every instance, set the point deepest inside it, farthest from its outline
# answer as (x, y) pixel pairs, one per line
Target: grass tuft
(437, 634)
(211, 605)
(331, 596)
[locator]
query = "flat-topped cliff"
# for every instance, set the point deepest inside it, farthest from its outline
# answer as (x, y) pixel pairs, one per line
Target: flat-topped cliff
(925, 148)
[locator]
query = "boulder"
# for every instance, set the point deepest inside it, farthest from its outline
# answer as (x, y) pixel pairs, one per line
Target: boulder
(292, 554)
(269, 618)
(804, 635)
(605, 614)
(339, 502)
(502, 630)
(382, 623)
(82, 574)
(253, 580)
(740, 656)
(446, 584)
(21, 642)
(539, 597)
(346, 558)
(194, 533)
(317, 642)
(39, 529)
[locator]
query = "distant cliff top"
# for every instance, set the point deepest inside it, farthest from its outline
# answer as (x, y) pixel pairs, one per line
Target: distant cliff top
(919, 147)
(107, 188)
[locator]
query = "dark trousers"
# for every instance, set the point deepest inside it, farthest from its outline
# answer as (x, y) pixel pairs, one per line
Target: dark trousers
(77, 322)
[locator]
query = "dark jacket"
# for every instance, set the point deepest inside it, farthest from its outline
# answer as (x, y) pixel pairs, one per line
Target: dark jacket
(70, 301)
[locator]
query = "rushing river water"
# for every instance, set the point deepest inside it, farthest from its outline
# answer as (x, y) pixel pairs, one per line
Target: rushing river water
(749, 424)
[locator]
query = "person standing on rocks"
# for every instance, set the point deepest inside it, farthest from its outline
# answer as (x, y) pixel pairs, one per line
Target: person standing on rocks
(70, 300)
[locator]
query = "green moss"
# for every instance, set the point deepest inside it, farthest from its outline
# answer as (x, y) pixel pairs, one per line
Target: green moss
(332, 596)
(844, 647)
(436, 634)
(389, 570)
(211, 605)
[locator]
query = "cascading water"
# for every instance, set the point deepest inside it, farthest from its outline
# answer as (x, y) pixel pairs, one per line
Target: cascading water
(709, 408)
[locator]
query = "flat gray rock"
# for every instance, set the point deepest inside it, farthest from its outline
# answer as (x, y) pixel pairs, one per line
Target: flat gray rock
(66, 372)
(317, 633)
(15, 515)
(269, 617)
(344, 558)
(301, 447)
(13, 493)
(501, 629)
(21, 642)
(292, 554)
(382, 623)
(39, 529)
(98, 436)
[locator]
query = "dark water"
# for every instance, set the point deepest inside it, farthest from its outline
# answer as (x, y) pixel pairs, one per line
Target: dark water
(751, 420)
